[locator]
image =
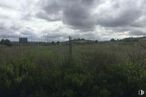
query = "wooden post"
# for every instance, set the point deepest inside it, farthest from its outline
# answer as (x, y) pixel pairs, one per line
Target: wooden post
(70, 49)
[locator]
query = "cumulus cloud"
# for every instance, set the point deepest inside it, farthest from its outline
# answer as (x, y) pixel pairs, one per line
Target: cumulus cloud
(75, 13)
(119, 13)
(85, 15)
(90, 19)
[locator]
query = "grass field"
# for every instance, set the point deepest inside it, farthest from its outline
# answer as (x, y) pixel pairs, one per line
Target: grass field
(94, 70)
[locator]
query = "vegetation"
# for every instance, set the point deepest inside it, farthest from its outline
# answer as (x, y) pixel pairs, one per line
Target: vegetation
(5, 42)
(97, 70)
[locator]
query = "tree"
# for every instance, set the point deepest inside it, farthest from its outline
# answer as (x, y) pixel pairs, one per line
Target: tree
(96, 41)
(112, 40)
(52, 42)
(6, 42)
(58, 42)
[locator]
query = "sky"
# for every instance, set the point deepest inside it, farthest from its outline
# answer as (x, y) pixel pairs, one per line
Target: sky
(55, 20)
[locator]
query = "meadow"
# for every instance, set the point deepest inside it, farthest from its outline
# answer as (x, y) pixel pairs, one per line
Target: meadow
(93, 70)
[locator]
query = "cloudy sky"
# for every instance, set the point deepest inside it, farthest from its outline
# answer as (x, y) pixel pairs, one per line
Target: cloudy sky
(54, 20)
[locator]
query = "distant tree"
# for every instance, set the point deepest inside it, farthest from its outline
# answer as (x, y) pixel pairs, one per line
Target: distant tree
(52, 42)
(112, 40)
(96, 41)
(6, 42)
(82, 39)
(58, 42)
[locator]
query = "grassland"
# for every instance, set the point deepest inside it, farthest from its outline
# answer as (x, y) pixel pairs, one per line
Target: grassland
(94, 70)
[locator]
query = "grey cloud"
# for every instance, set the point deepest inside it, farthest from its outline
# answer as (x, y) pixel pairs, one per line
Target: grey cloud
(7, 33)
(13, 31)
(137, 33)
(78, 17)
(50, 10)
(119, 14)
(119, 29)
(75, 13)
(132, 31)
(78, 13)
(124, 19)
(141, 22)
(44, 15)
(12, 36)
(28, 33)
(52, 7)
(4, 6)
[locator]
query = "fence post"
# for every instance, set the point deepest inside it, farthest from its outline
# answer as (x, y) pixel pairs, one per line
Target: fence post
(70, 50)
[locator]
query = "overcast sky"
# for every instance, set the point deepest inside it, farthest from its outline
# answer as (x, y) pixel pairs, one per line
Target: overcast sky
(55, 20)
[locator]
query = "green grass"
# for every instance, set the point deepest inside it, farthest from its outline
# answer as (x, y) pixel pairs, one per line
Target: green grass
(97, 70)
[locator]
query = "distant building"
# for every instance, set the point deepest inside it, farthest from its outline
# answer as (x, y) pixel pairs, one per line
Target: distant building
(23, 40)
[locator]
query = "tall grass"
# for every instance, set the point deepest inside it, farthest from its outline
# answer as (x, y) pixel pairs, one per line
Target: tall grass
(99, 70)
